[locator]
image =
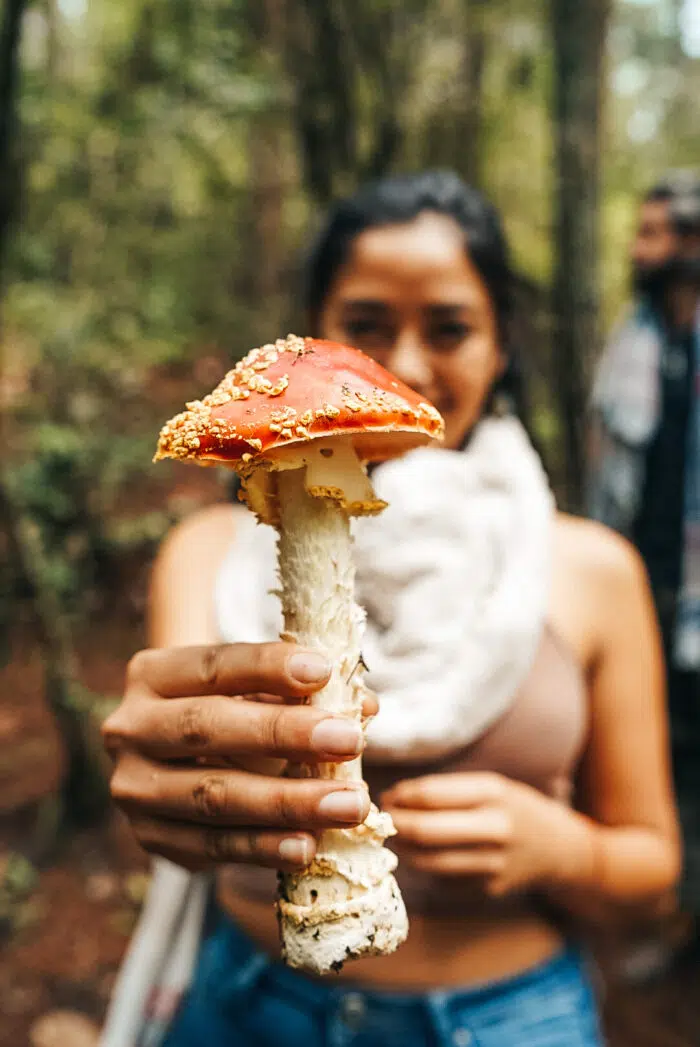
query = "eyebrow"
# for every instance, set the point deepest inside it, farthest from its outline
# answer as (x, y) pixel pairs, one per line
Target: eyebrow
(438, 309)
(450, 308)
(368, 304)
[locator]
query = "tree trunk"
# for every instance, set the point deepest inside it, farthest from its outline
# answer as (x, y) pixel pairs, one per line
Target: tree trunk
(579, 35)
(269, 168)
(338, 57)
(9, 76)
(467, 131)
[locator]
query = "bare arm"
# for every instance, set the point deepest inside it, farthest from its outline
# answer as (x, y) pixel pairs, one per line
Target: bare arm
(624, 848)
(617, 857)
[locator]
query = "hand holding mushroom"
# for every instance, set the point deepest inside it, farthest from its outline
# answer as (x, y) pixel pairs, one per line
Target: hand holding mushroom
(298, 420)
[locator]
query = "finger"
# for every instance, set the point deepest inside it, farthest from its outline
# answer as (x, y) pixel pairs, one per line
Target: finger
(198, 847)
(226, 727)
(370, 702)
(455, 862)
(238, 668)
(483, 825)
(441, 791)
(274, 699)
(370, 705)
(236, 798)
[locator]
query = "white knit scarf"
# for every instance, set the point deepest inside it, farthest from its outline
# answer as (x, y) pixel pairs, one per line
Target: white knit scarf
(454, 577)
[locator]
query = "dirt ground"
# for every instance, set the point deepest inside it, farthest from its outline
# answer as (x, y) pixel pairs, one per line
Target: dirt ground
(62, 949)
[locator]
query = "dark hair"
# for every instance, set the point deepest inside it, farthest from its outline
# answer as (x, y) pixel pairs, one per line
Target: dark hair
(398, 199)
(680, 189)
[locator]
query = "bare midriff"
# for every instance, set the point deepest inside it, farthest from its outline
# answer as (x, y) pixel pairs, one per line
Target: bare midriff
(443, 951)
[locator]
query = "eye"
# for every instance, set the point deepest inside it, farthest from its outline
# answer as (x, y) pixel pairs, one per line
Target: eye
(448, 334)
(369, 333)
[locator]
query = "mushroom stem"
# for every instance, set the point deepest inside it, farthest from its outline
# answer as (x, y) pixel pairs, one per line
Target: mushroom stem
(346, 903)
(317, 577)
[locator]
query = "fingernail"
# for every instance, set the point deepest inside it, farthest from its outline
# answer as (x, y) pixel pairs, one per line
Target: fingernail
(309, 667)
(295, 849)
(347, 806)
(340, 737)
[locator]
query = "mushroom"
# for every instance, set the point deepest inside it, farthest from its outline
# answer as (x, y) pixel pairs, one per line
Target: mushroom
(299, 420)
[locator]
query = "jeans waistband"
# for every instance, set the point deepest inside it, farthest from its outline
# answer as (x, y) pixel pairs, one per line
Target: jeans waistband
(235, 965)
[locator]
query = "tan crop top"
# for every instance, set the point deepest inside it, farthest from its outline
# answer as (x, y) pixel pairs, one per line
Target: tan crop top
(539, 741)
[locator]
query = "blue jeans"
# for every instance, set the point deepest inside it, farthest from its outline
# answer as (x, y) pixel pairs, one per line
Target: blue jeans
(240, 998)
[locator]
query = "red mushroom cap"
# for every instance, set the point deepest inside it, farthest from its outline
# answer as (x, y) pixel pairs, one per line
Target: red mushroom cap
(294, 391)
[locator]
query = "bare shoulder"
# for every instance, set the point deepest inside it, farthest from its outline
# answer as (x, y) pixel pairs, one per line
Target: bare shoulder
(209, 529)
(596, 555)
(600, 587)
(181, 606)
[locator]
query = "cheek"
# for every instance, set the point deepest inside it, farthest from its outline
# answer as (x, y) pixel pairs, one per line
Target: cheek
(470, 374)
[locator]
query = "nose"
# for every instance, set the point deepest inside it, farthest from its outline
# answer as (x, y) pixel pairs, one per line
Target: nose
(409, 361)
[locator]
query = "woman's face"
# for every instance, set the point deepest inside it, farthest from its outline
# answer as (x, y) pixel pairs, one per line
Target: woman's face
(410, 297)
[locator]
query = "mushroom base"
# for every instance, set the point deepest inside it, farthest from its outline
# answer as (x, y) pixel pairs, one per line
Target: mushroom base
(321, 939)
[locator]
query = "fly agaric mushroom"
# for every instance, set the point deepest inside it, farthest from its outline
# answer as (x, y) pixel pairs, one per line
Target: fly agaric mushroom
(298, 420)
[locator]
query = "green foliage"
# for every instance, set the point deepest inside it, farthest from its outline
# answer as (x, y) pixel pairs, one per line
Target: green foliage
(18, 879)
(130, 256)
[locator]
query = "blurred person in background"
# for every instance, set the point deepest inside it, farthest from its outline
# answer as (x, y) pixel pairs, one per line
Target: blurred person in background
(645, 478)
(537, 813)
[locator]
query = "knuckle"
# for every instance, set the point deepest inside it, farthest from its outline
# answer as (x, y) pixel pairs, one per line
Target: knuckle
(495, 784)
(137, 667)
(502, 826)
(195, 728)
(286, 810)
(128, 725)
(495, 880)
(257, 657)
(497, 863)
(268, 661)
(210, 668)
(418, 830)
(426, 825)
(210, 796)
(250, 844)
(112, 731)
(276, 729)
(119, 729)
(427, 861)
(431, 795)
(419, 792)
(123, 786)
(265, 664)
(220, 846)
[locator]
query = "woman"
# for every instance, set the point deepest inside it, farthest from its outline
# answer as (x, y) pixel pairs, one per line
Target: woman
(558, 808)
